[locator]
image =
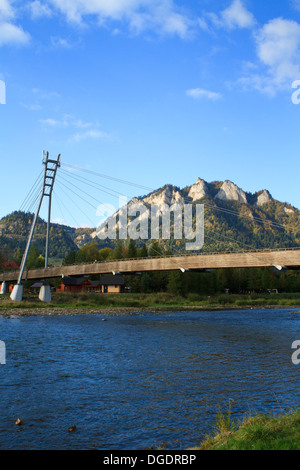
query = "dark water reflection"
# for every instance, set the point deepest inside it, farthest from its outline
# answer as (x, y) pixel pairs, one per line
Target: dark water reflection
(134, 381)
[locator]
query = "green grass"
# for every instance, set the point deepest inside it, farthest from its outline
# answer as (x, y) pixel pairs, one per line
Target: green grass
(154, 300)
(261, 432)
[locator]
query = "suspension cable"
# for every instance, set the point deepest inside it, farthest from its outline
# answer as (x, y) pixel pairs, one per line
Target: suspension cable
(32, 191)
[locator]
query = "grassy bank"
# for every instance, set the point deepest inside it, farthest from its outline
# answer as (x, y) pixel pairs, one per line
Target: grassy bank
(255, 433)
(155, 300)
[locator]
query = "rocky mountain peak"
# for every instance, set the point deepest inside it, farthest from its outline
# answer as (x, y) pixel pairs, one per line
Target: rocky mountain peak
(231, 192)
(169, 195)
(263, 197)
(198, 190)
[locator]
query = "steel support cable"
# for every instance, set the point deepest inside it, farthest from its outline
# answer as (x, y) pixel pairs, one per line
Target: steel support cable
(60, 203)
(32, 190)
(228, 211)
(33, 198)
(225, 210)
(79, 189)
(35, 204)
(151, 189)
(257, 256)
(181, 255)
(101, 175)
(250, 217)
(231, 239)
(35, 201)
(85, 215)
(93, 184)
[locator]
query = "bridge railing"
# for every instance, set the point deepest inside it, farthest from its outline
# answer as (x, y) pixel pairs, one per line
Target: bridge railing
(181, 255)
(262, 250)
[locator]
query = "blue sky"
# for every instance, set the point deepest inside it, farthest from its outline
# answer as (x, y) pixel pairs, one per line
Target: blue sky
(150, 91)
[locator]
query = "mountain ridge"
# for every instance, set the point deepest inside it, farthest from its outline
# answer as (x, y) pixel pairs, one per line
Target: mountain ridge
(230, 214)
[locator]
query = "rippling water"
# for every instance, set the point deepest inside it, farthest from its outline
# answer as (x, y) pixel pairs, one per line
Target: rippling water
(135, 381)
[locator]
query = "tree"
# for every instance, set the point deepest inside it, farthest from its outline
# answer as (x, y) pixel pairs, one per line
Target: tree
(106, 254)
(70, 258)
(119, 250)
(1, 261)
(88, 253)
(35, 259)
(142, 252)
(155, 249)
(132, 251)
(18, 256)
(168, 253)
(146, 283)
(177, 283)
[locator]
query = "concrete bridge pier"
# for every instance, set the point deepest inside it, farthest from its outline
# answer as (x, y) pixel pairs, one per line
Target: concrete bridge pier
(17, 293)
(3, 288)
(45, 294)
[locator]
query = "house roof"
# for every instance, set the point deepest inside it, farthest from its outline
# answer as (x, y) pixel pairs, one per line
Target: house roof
(104, 281)
(112, 280)
(38, 285)
(73, 281)
(95, 283)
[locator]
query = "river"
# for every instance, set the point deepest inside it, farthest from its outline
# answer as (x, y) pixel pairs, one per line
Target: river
(136, 381)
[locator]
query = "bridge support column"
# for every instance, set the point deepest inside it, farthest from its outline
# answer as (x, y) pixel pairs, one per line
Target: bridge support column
(17, 293)
(45, 294)
(3, 288)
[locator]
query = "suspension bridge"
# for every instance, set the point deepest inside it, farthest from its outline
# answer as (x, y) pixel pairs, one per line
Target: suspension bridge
(280, 259)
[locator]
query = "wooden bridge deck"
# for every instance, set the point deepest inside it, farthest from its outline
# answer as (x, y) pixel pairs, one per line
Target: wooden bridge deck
(289, 258)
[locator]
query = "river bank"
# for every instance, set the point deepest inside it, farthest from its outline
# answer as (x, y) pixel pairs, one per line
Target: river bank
(261, 432)
(29, 312)
(72, 304)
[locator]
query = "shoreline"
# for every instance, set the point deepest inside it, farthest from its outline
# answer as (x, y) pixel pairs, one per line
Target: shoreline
(113, 311)
(258, 432)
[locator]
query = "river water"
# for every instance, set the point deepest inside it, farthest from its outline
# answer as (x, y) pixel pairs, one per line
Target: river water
(136, 381)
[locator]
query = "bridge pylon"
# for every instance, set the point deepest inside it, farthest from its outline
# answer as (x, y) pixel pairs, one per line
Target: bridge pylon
(51, 167)
(3, 288)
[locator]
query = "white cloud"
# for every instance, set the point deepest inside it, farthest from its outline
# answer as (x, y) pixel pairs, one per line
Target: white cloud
(202, 23)
(67, 121)
(278, 47)
(39, 10)
(45, 95)
(12, 34)
(90, 134)
(50, 122)
(85, 130)
(32, 107)
(140, 15)
(9, 32)
(61, 43)
(236, 16)
(6, 11)
(296, 4)
(200, 93)
(278, 50)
